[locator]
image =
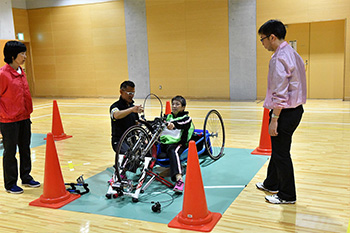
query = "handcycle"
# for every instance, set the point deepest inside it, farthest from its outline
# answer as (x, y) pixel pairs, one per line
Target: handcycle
(138, 151)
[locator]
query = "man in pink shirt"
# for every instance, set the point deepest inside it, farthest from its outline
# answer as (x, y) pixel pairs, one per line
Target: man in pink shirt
(285, 96)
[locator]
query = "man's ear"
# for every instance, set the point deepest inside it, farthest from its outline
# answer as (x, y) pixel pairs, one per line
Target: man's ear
(273, 37)
(120, 91)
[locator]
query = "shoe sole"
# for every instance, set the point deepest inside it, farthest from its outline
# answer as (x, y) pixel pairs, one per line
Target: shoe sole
(285, 202)
(9, 191)
(266, 190)
(31, 186)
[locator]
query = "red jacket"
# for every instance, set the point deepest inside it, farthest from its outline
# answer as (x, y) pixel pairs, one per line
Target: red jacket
(15, 99)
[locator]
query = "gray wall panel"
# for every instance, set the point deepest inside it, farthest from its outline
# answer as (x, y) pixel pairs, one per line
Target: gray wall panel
(242, 49)
(34, 4)
(19, 4)
(7, 28)
(137, 45)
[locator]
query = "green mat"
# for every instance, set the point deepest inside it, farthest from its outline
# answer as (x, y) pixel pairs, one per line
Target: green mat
(223, 181)
(37, 140)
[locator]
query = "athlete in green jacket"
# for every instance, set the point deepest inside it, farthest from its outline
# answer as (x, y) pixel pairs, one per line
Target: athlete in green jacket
(174, 139)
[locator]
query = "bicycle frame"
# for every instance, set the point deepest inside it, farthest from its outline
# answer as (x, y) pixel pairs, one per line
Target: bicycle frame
(140, 141)
(118, 186)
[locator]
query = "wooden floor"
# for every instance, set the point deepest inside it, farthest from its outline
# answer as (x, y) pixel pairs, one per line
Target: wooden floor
(321, 155)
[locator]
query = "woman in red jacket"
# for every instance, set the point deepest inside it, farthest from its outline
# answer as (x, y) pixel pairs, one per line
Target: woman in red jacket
(15, 125)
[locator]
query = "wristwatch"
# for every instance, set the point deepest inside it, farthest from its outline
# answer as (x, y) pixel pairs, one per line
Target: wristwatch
(275, 116)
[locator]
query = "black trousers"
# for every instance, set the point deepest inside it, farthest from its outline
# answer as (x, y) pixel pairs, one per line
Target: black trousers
(280, 172)
(16, 134)
(173, 152)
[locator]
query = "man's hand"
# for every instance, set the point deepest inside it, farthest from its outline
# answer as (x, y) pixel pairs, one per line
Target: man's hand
(137, 109)
(123, 113)
(274, 122)
(273, 127)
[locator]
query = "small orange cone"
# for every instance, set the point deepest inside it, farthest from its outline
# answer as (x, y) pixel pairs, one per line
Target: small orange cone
(167, 108)
(57, 128)
(265, 140)
(194, 215)
(55, 194)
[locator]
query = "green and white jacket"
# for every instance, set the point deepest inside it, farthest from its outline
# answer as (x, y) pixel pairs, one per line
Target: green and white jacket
(182, 132)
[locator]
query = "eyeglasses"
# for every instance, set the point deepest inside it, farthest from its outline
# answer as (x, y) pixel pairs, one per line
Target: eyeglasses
(129, 92)
(262, 39)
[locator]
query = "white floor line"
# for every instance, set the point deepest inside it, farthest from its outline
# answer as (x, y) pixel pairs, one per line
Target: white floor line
(219, 108)
(256, 108)
(37, 117)
(225, 186)
(195, 118)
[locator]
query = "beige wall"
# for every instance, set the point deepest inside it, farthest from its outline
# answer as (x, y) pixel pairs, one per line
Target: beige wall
(299, 11)
(78, 50)
(2, 44)
(81, 50)
(20, 20)
(21, 23)
(188, 48)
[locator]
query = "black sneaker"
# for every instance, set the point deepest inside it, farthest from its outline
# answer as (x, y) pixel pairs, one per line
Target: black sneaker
(15, 189)
(32, 184)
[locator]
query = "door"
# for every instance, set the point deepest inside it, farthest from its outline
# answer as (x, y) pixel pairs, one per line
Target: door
(321, 45)
(298, 36)
(327, 45)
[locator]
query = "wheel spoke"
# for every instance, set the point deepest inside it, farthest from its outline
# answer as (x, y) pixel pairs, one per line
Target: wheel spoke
(215, 129)
(131, 148)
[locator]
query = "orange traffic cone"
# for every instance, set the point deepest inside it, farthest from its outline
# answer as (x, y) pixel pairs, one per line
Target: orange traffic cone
(265, 140)
(194, 215)
(57, 128)
(167, 108)
(55, 194)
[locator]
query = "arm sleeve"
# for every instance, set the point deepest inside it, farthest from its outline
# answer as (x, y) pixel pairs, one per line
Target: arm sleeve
(113, 110)
(280, 93)
(184, 123)
(3, 84)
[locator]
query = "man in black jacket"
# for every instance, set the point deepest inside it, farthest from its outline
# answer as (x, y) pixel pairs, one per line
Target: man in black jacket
(123, 112)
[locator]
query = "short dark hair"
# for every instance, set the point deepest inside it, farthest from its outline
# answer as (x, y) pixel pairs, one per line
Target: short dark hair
(127, 84)
(181, 99)
(275, 27)
(11, 49)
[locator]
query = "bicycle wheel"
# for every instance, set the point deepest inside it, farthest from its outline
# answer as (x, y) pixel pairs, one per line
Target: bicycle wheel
(130, 151)
(150, 107)
(214, 134)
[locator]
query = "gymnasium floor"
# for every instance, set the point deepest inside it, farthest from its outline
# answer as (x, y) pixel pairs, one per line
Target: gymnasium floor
(223, 181)
(320, 149)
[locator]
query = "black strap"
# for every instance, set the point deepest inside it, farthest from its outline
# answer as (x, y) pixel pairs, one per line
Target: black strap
(81, 183)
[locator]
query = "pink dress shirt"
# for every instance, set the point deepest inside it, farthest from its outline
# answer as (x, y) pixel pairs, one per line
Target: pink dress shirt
(286, 81)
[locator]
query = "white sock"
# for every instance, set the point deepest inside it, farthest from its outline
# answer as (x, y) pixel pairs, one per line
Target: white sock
(178, 177)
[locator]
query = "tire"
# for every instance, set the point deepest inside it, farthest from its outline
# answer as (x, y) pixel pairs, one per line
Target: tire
(130, 150)
(214, 134)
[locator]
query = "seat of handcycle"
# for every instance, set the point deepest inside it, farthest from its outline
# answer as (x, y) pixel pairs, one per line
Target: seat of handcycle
(162, 158)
